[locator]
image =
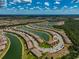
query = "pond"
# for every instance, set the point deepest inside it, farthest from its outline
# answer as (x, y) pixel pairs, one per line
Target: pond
(42, 35)
(15, 50)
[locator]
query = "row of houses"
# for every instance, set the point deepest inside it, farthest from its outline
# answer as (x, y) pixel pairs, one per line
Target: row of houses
(33, 41)
(28, 40)
(64, 36)
(33, 44)
(3, 42)
(43, 50)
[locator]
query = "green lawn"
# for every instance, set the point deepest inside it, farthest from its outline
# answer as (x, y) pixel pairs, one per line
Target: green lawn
(15, 51)
(45, 45)
(23, 27)
(30, 56)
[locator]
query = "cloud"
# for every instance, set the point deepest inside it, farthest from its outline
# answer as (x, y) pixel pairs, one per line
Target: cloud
(75, 6)
(71, 7)
(55, 7)
(11, 2)
(47, 8)
(27, 0)
(38, 2)
(17, 1)
(75, 1)
(31, 8)
(38, 7)
(21, 8)
(65, 6)
(29, 4)
(57, 2)
(46, 3)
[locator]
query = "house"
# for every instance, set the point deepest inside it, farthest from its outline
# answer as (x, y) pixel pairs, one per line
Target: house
(36, 52)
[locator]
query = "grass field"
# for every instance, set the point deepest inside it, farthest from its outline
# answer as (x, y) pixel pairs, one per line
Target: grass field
(45, 45)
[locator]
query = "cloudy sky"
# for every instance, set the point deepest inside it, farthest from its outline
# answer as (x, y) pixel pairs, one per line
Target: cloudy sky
(52, 4)
(56, 6)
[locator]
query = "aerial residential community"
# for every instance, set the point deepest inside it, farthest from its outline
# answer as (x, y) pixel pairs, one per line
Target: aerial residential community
(39, 38)
(39, 29)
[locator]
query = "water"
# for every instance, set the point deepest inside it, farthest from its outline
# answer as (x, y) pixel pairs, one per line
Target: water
(15, 50)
